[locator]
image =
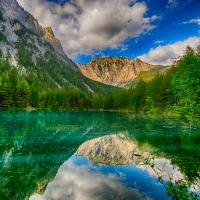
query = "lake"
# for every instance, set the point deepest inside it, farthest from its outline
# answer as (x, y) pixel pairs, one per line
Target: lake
(93, 155)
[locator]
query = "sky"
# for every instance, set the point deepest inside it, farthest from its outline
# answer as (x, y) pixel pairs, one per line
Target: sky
(153, 30)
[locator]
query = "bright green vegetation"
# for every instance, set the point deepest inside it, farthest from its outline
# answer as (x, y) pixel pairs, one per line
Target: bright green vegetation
(44, 85)
(35, 144)
(3, 38)
(148, 75)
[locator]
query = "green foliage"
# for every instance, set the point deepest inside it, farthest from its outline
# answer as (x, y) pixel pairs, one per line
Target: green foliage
(13, 79)
(176, 189)
(175, 91)
(3, 37)
(5, 95)
(34, 98)
(148, 75)
(49, 83)
(24, 54)
(150, 97)
(179, 190)
(60, 98)
(22, 94)
(15, 21)
(1, 53)
(1, 16)
(22, 30)
(38, 85)
(186, 86)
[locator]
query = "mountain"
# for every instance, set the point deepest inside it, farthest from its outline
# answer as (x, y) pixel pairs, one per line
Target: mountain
(37, 54)
(116, 71)
(18, 25)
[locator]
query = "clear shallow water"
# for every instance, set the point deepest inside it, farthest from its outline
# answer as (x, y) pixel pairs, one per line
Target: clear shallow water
(88, 155)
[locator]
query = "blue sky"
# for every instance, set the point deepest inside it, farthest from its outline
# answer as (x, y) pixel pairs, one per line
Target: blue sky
(153, 30)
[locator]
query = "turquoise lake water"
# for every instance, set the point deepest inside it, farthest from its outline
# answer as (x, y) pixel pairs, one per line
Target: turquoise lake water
(93, 155)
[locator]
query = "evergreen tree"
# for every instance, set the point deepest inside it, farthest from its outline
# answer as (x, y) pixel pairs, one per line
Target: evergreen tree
(13, 79)
(34, 98)
(6, 95)
(22, 94)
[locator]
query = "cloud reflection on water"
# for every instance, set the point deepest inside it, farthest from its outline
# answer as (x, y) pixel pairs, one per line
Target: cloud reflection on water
(87, 182)
(168, 169)
(105, 168)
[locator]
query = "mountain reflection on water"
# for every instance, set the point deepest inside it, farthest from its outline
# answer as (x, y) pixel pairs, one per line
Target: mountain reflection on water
(117, 149)
(42, 154)
(112, 150)
(122, 175)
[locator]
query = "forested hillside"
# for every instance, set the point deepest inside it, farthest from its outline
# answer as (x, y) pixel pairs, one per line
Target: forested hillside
(46, 86)
(176, 91)
(34, 65)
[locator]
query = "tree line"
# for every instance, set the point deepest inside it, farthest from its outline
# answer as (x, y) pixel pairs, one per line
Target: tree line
(176, 91)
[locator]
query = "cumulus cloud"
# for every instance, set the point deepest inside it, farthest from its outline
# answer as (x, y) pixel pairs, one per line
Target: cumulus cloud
(164, 54)
(83, 26)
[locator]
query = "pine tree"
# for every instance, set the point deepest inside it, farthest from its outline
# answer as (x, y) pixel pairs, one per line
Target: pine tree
(6, 96)
(22, 94)
(13, 79)
(34, 98)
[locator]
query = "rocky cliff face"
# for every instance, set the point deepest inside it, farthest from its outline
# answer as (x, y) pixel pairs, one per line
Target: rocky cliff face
(49, 36)
(115, 71)
(17, 25)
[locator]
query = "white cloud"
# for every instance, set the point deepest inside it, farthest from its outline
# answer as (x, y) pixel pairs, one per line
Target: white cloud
(83, 26)
(164, 54)
(159, 41)
(193, 21)
(172, 4)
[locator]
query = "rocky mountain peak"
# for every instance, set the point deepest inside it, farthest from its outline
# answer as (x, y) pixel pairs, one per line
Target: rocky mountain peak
(49, 36)
(48, 32)
(117, 71)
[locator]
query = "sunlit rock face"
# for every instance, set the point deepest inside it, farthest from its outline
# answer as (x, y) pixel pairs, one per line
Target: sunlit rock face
(117, 71)
(111, 150)
(49, 36)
